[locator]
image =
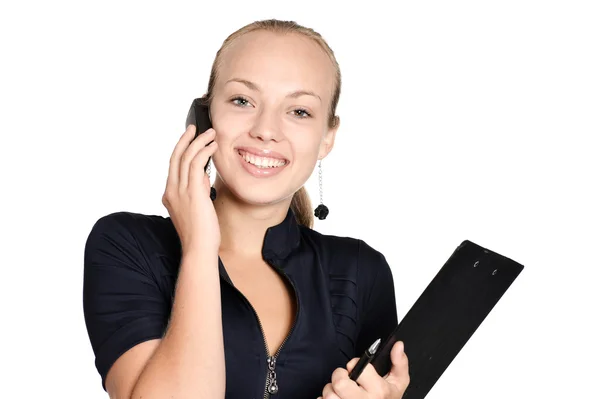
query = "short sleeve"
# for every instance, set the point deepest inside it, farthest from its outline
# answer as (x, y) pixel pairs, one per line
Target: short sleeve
(378, 316)
(122, 303)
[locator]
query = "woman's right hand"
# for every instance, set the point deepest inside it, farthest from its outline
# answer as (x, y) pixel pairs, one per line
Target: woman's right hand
(187, 194)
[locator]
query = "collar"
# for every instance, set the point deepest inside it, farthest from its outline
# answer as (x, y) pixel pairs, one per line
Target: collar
(281, 239)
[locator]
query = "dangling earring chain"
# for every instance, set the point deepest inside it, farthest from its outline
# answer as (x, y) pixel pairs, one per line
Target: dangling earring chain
(320, 183)
(321, 211)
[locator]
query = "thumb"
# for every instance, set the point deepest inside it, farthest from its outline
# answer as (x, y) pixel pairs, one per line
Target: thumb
(399, 361)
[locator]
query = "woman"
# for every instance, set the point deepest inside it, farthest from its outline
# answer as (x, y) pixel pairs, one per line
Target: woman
(240, 298)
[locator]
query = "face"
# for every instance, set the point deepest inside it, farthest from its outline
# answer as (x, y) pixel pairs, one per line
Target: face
(270, 110)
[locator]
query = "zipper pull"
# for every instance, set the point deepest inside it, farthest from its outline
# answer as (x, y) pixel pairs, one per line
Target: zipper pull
(273, 388)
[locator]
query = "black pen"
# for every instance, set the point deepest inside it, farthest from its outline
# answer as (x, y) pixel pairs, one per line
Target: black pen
(364, 360)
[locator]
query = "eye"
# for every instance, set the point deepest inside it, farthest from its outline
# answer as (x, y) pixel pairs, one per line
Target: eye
(240, 101)
(301, 113)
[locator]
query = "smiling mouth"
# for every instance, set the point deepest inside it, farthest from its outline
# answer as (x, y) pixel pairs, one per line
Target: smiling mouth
(262, 162)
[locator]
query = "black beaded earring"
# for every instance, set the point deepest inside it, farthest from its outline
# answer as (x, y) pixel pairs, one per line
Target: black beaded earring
(213, 191)
(321, 211)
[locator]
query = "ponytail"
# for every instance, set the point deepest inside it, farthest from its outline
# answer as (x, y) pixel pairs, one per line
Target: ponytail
(302, 208)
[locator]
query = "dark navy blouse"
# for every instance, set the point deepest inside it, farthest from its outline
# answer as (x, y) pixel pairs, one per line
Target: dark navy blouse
(344, 291)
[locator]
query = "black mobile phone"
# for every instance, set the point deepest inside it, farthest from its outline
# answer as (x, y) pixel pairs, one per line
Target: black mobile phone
(199, 116)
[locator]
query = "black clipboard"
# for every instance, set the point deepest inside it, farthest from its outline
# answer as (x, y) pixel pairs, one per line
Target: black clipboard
(447, 313)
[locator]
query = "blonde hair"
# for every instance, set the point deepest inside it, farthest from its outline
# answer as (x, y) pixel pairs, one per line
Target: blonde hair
(301, 204)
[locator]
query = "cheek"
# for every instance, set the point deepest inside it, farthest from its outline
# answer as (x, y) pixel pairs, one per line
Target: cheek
(306, 153)
(306, 143)
(228, 124)
(228, 131)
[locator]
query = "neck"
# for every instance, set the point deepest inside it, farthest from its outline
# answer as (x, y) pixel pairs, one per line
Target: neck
(243, 226)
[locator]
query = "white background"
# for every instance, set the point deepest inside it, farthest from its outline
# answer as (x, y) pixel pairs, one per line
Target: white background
(461, 120)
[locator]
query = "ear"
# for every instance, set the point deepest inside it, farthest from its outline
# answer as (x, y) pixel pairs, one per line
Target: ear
(329, 139)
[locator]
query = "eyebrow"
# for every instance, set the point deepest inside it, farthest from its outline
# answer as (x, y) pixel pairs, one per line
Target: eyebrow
(294, 94)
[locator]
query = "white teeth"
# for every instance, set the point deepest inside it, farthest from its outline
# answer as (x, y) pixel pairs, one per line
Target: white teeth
(262, 162)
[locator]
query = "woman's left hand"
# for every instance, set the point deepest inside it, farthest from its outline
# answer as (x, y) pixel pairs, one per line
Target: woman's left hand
(370, 384)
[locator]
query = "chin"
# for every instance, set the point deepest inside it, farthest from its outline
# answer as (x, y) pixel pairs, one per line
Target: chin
(253, 198)
(260, 193)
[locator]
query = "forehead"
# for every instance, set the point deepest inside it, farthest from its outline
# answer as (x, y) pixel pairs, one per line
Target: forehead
(278, 63)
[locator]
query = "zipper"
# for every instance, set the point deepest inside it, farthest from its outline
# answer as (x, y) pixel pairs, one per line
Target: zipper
(271, 387)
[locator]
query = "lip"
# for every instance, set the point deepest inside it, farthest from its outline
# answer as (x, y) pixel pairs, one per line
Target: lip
(263, 153)
(255, 170)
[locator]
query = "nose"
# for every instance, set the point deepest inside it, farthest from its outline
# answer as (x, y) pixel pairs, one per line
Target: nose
(266, 126)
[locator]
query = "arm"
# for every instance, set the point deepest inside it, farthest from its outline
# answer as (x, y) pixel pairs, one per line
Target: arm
(126, 315)
(189, 361)
(124, 307)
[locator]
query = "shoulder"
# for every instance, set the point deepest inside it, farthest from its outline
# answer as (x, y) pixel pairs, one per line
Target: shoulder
(348, 253)
(145, 232)
(145, 244)
(129, 223)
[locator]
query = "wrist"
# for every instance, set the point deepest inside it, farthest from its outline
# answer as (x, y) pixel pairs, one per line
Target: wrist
(199, 254)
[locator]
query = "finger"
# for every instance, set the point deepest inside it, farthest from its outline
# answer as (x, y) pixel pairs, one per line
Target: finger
(182, 144)
(328, 393)
(190, 153)
(372, 382)
(351, 364)
(343, 386)
(197, 173)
